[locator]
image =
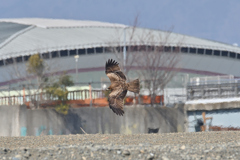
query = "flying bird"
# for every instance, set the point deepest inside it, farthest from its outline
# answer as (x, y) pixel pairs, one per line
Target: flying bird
(118, 87)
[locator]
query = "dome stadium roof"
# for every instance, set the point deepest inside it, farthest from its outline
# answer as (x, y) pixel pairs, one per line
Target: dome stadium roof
(27, 36)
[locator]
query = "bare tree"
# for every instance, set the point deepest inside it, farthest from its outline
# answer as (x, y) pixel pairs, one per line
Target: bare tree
(150, 53)
(124, 41)
(158, 62)
(34, 76)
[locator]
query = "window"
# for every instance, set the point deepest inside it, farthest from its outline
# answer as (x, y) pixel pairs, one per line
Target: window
(238, 56)
(99, 50)
(19, 59)
(193, 50)
(64, 53)
(142, 48)
(127, 48)
(224, 53)
(184, 50)
(9, 61)
(26, 58)
(45, 56)
(108, 49)
(73, 52)
(119, 49)
(200, 51)
(90, 51)
(232, 55)
(1, 63)
(167, 49)
(216, 53)
(54, 54)
(158, 48)
(81, 51)
(132, 48)
(175, 49)
(208, 52)
(151, 48)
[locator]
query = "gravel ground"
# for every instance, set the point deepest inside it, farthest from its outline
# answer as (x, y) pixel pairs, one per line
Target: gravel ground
(206, 145)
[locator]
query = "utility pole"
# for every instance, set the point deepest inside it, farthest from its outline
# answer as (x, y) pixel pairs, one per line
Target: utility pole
(124, 49)
(76, 59)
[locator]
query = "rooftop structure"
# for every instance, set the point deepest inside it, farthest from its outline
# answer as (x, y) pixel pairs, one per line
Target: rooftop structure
(59, 40)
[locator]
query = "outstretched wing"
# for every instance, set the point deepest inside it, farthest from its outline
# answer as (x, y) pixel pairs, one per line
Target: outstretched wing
(113, 71)
(115, 100)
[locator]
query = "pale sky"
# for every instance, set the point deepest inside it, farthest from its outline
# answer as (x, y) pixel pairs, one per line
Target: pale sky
(209, 19)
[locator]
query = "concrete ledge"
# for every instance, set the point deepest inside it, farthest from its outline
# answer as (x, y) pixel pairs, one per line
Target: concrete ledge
(20, 121)
(212, 104)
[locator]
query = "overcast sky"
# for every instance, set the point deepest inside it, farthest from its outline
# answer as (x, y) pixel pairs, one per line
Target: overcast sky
(217, 20)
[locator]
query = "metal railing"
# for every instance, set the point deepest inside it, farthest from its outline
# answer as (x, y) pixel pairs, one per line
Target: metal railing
(41, 97)
(208, 91)
(82, 97)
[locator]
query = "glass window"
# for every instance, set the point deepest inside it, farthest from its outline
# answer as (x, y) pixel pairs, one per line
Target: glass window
(133, 49)
(119, 49)
(142, 48)
(9, 61)
(81, 51)
(184, 50)
(108, 49)
(1, 63)
(193, 50)
(175, 49)
(208, 52)
(167, 49)
(232, 55)
(54, 54)
(200, 51)
(224, 53)
(19, 59)
(151, 48)
(99, 50)
(238, 56)
(73, 52)
(45, 56)
(26, 58)
(159, 48)
(216, 53)
(90, 50)
(63, 53)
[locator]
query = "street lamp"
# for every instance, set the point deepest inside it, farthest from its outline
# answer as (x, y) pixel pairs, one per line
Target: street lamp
(76, 59)
(124, 48)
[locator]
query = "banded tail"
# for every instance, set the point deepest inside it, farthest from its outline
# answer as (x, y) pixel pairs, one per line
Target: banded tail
(134, 86)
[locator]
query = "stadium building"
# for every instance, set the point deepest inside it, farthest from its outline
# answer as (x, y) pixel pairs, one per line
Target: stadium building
(58, 41)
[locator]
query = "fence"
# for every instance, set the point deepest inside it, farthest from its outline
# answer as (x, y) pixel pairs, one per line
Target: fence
(222, 90)
(72, 95)
(80, 97)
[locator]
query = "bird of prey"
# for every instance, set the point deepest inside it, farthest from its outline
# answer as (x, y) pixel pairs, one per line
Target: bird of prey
(118, 87)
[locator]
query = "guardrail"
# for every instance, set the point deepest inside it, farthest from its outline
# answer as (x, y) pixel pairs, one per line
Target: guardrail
(72, 95)
(206, 91)
(81, 97)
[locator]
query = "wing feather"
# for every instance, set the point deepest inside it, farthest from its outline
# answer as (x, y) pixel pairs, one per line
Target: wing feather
(117, 94)
(113, 67)
(115, 100)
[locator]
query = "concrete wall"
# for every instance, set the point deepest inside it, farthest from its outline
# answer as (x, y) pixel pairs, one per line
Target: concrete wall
(19, 121)
(224, 112)
(9, 120)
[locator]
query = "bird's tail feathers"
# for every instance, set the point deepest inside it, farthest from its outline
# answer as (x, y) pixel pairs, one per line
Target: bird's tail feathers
(134, 86)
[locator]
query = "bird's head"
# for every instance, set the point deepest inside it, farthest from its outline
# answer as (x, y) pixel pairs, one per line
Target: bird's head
(109, 88)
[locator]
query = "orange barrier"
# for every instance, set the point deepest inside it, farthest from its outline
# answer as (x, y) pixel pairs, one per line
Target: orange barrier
(147, 99)
(220, 128)
(99, 102)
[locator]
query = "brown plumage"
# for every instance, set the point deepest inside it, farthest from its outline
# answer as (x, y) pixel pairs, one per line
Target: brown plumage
(118, 87)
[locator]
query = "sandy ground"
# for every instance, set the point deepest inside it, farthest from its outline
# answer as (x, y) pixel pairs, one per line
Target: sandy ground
(206, 145)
